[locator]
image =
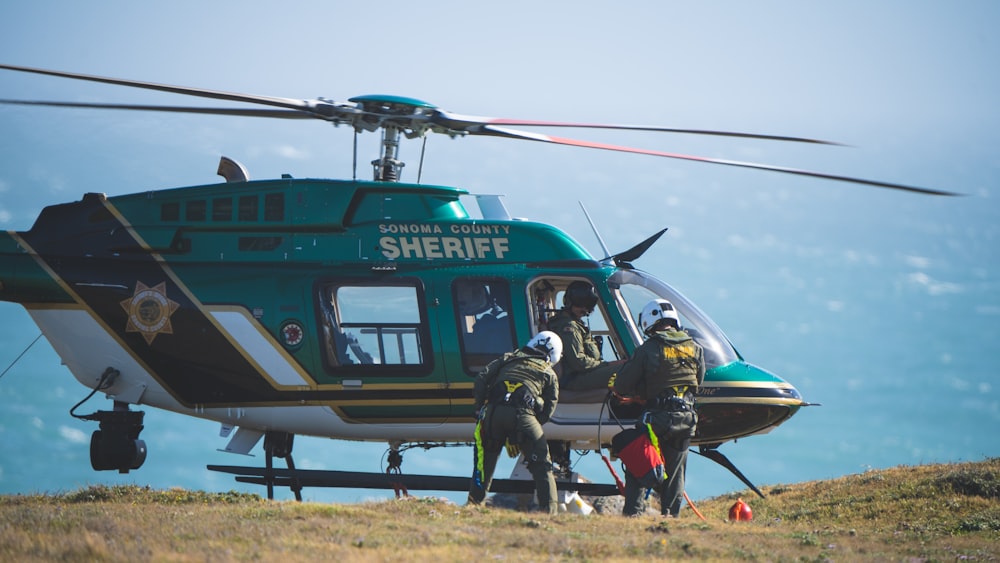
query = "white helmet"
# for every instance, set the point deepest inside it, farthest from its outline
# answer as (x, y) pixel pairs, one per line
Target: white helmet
(656, 311)
(549, 344)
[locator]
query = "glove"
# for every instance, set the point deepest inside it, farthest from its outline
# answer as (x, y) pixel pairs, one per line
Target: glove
(512, 449)
(539, 406)
(534, 404)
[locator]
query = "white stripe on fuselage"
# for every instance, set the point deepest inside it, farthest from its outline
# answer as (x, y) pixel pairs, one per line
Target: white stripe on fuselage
(245, 334)
(87, 349)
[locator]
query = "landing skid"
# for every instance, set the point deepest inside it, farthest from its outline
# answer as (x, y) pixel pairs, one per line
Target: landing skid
(279, 444)
(273, 477)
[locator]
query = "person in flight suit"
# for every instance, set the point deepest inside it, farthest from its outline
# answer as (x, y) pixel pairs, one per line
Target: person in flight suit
(582, 365)
(664, 373)
(514, 396)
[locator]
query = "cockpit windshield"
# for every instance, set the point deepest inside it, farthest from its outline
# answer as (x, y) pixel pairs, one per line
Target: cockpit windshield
(633, 289)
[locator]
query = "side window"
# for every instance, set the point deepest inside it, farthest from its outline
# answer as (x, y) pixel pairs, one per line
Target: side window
(485, 327)
(274, 207)
(222, 209)
(248, 208)
(170, 211)
(378, 326)
(196, 210)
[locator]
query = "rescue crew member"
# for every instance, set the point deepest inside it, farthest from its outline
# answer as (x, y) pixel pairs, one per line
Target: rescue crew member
(582, 366)
(664, 373)
(514, 396)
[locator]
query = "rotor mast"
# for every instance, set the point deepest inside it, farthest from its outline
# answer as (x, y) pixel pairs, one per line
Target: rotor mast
(387, 168)
(395, 116)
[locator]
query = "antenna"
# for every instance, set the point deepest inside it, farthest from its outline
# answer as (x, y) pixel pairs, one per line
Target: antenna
(604, 247)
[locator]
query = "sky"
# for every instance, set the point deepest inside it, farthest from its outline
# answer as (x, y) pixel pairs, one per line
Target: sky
(810, 278)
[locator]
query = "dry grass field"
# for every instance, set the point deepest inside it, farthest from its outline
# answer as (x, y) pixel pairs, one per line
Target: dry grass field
(948, 512)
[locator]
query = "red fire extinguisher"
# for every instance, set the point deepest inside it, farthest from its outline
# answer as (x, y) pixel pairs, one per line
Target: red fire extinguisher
(740, 512)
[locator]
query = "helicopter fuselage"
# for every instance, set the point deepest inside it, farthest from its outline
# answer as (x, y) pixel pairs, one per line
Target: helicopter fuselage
(345, 309)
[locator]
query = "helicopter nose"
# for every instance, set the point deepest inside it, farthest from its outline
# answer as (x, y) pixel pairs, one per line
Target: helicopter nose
(740, 399)
(791, 392)
(787, 391)
(779, 389)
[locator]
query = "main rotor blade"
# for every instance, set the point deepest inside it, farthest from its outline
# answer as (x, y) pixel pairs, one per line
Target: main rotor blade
(515, 134)
(242, 112)
(416, 123)
(288, 103)
(456, 121)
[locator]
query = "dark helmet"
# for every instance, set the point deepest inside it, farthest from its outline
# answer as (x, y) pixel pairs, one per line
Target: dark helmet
(580, 294)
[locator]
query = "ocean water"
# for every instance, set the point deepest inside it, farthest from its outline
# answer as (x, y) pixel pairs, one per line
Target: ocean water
(887, 318)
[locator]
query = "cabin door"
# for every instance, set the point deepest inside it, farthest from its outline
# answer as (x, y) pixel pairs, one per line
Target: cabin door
(381, 343)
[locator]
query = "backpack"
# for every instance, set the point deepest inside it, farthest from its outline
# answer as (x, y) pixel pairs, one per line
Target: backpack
(640, 455)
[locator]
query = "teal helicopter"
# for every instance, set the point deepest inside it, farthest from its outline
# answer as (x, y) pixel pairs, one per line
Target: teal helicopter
(347, 309)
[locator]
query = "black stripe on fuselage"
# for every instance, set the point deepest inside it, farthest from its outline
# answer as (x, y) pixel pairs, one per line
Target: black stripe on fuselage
(195, 361)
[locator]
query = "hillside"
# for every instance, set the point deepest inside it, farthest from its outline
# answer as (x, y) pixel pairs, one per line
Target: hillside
(922, 513)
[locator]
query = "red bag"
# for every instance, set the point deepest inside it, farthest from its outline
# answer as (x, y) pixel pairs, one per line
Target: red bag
(641, 458)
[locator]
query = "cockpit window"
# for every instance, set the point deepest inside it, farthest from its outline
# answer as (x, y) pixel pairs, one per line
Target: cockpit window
(633, 289)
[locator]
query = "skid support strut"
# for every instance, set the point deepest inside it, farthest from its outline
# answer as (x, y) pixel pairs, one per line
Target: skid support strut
(279, 444)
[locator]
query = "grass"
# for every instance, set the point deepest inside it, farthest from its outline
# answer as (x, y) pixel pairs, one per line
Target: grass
(924, 513)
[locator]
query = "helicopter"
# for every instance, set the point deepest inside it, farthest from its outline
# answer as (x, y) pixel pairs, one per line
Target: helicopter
(347, 309)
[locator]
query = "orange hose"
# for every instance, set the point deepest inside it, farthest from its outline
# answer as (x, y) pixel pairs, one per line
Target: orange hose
(693, 507)
(618, 481)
